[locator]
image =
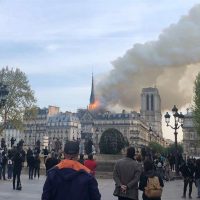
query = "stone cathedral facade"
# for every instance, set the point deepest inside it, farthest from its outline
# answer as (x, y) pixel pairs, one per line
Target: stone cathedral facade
(134, 126)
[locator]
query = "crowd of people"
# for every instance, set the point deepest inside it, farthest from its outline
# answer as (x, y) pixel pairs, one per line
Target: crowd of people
(135, 171)
(164, 166)
(11, 163)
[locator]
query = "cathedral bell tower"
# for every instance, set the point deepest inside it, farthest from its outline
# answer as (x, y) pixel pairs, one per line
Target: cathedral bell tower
(151, 109)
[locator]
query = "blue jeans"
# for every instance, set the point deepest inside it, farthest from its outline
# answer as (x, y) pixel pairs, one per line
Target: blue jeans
(187, 181)
(198, 186)
(10, 171)
(4, 172)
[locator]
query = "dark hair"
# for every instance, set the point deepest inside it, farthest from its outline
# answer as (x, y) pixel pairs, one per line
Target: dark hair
(130, 152)
(81, 156)
(90, 157)
(139, 158)
(148, 165)
(71, 147)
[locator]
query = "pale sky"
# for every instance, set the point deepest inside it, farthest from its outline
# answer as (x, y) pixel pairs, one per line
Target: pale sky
(58, 43)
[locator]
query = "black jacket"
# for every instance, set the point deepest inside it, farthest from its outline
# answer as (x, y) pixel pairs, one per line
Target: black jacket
(197, 172)
(18, 159)
(31, 161)
(187, 170)
(37, 162)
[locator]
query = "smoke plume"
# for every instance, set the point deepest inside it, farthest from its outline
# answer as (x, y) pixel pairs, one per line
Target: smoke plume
(171, 64)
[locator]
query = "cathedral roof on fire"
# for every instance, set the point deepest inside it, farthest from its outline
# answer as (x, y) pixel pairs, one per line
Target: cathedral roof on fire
(117, 116)
(60, 117)
(89, 115)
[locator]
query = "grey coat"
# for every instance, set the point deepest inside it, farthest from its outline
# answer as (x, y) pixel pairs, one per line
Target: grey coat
(127, 172)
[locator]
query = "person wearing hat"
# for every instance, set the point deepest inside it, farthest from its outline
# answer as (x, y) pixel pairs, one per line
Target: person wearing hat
(70, 180)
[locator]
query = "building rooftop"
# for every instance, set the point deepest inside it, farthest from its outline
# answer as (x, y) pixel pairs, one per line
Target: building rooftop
(63, 117)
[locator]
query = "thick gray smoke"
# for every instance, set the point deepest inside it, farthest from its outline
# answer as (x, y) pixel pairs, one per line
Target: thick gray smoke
(170, 63)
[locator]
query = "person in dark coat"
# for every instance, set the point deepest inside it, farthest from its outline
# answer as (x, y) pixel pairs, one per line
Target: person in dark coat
(70, 180)
(31, 165)
(172, 162)
(52, 161)
(149, 172)
(4, 163)
(28, 155)
(187, 170)
(37, 166)
(18, 159)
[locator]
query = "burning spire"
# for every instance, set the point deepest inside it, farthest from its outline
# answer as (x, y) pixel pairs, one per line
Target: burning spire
(92, 96)
(94, 104)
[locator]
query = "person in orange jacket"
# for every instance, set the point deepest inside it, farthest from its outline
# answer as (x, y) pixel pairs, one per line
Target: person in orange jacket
(70, 180)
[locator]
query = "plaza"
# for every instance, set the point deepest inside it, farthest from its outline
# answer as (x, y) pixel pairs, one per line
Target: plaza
(32, 189)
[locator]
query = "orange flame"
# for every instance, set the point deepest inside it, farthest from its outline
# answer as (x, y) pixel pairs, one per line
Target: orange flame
(94, 106)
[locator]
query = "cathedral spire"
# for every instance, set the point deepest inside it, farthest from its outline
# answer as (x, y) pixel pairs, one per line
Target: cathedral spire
(92, 97)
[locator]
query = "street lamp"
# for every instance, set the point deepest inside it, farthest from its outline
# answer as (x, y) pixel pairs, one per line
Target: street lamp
(178, 122)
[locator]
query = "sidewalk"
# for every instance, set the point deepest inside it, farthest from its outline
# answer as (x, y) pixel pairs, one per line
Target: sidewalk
(32, 189)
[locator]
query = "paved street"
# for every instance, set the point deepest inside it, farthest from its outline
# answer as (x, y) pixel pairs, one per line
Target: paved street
(32, 190)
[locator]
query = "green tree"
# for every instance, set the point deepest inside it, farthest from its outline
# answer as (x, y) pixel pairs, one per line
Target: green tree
(171, 149)
(196, 106)
(30, 114)
(20, 97)
(112, 142)
(156, 147)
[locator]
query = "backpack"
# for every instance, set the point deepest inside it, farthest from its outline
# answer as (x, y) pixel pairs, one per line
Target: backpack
(153, 188)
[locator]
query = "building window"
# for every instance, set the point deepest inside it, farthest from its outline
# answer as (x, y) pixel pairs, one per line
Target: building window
(147, 102)
(152, 102)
